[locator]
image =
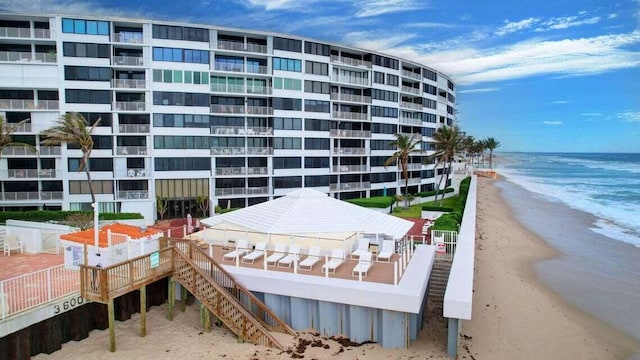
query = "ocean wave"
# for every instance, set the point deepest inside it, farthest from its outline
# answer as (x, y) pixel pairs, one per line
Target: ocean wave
(611, 230)
(611, 165)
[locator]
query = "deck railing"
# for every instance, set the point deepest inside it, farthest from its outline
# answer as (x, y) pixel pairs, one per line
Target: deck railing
(27, 291)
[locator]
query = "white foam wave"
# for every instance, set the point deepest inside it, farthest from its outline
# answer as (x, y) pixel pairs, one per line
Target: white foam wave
(594, 164)
(611, 230)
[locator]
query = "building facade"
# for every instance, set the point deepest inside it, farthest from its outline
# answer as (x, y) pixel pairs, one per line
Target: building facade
(199, 114)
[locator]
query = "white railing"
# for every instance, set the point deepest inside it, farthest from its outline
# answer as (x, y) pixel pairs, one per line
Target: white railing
(27, 291)
(351, 98)
(259, 130)
(129, 106)
(350, 151)
(349, 168)
(50, 150)
(228, 67)
(132, 194)
(128, 83)
(261, 90)
(259, 110)
(350, 115)
(410, 121)
(48, 105)
(411, 105)
(257, 69)
(51, 195)
(410, 181)
(31, 173)
(227, 88)
(350, 186)
(445, 242)
(349, 133)
(227, 130)
(230, 45)
(350, 79)
(257, 48)
(131, 150)
(128, 60)
(21, 127)
(411, 90)
(259, 150)
(27, 56)
(45, 57)
(18, 150)
(15, 32)
(133, 172)
(262, 190)
(134, 128)
(17, 104)
(127, 37)
(413, 167)
(411, 74)
(228, 109)
(350, 61)
(228, 150)
(231, 171)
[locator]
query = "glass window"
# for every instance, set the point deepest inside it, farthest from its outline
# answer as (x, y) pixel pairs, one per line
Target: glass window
(92, 27)
(79, 27)
(67, 26)
(177, 76)
(103, 28)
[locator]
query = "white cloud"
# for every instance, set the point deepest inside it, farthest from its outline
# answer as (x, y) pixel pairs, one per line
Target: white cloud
(558, 23)
(511, 27)
(612, 16)
(629, 116)
(560, 102)
(70, 7)
(376, 40)
(429, 25)
(368, 8)
(478, 90)
(552, 123)
(278, 4)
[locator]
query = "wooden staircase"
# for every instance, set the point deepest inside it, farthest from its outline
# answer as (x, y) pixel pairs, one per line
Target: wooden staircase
(243, 313)
(438, 282)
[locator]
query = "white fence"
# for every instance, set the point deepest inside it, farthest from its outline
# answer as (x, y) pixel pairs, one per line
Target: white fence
(28, 291)
(445, 242)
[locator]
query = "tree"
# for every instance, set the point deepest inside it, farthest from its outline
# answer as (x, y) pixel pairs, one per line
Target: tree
(73, 129)
(203, 204)
(405, 146)
(491, 144)
(6, 139)
(447, 142)
(162, 205)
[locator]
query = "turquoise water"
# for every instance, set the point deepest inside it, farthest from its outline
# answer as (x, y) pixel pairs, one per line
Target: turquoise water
(587, 206)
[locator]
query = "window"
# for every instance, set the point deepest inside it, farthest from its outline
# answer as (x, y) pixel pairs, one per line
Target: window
(316, 125)
(384, 111)
(95, 164)
(392, 80)
(287, 44)
(285, 64)
(89, 27)
(381, 145)
(180, 99)
(317, 106)
(287, 143)
(384, 95)
(287, 123)
(287, 182)
(378, 77)
(429, 75)
(82, 187)
(181, 55)
(378, 160)
(315, 181)
(181, 120)
(431, 118)
(316, 49)
(85, 73)
(287, 84)
(88, 96)
(180, 33)
(429, 89)
(229, 63)
(316, 144)
(428, 103)
(316, 162)
(85, 50)
(287, 163)
(383, 177)
(182, 164)
(181, 76)
(378, 128)
(181, 142)
(385, 62)
(317, 87)
(316, 68)
(427, 131)
(287, 104)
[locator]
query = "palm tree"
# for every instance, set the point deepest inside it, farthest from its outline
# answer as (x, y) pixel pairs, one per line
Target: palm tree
(73, 129)
(448, 142)
(405, 146)
(6, 139)
(491, 144)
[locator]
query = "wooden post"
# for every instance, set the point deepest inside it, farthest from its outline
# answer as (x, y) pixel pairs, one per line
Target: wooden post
(112, 326)
(183, 298)
(207, 319)
(143, 311)
(172, 298)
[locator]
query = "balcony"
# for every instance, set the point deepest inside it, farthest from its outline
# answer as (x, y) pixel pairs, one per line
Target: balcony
(237, 171)
(411, 181)
(129, 106)
(20, 127)
(257, 48)
(131, 150)
(351, 98)
(227, 109)
(47, 105)
(132, 194)
(259, 130)
(351, 62)
(132, 173)
(127, 37)
(32, 195)
(411, 75)
(349, 115)
(240, 46)
(19, 150)
(350, 186)
(349, 168)
(414, 166)
(17, 56)
(17, 104)
(351, 80)
(128, 83)
(226, 88)
(128, 60)
(228, 67)
(260, 150)
(259, 90)
(134, 128)
(410, 105)
(349, 133)
(410, 121)
(228, 150)
(257, 69)
(31, 173)
(259, 110)
(50, 150)
(350, 151)
(410, 90)
(261, 190)
(51, 195)
(240, 130)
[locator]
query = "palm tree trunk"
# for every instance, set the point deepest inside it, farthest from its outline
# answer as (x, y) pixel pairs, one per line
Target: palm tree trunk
(406, 192)
(445, 183)
(88, 172)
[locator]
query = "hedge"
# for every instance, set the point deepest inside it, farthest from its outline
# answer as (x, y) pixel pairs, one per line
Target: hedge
(379, 202)
(57, 216)
(433, 192)
(451, 221)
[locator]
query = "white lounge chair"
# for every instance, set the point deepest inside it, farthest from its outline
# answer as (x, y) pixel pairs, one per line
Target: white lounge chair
(293, 255)
(363, 247)
(11, 243)
(388, 248)
(337, 258)
(311, 259)
(242, 247)
(364, 263)
(256, 254)
(278, 254)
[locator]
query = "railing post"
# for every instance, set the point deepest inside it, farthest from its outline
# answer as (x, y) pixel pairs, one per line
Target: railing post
(4, 301)
(104, 285)
(49, 285)
(395, 272)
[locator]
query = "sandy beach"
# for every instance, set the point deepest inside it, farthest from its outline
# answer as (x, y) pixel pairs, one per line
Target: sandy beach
(514, 316)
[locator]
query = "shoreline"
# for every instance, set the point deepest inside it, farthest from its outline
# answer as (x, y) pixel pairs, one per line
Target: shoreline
(514, 312)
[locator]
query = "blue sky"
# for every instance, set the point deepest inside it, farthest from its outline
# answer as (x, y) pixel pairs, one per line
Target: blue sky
(541, 75)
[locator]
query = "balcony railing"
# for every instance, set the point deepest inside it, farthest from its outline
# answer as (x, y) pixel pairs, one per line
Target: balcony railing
(51, 195)
(413, 166)
(240, 46)
(227, 130)
(410, 121)
(134, 128)
(128, 60)
(27, 57)
(259, 110)
(411, 74)
(18, 150)
(31, 173)
(132, 194)
(349, 133)
(257, 69)
(132, 173)
(349, 115)
(350, 186)
(410, 105)
(261, 190)
(15, 32)
(350, 61)
(349, 168)
(49, 150)
(259, 130)
(411, 181)
(227, 109)
(128, 83)
(260, 90)
(233, 171)
(17, 104)
(257, 48)
(411, 90)
(227, 88)
(48, 105)
(228, 150)
(351, 98)
(259, 150)
(20, 127)
(127, 37)
(351, 80)
(32, 195)
(131, 150)
(130, 106)
(228, 67)
(350, 151)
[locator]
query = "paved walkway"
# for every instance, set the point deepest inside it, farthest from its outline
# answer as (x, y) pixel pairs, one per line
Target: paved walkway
(19, 264)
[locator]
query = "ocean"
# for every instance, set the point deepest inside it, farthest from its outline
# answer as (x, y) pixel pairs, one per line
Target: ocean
(586, 206)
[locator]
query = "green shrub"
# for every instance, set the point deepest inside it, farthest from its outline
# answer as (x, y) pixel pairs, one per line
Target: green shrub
(430, 207)
(222, 211)
(446, 222)
(59, 216)
(433, 192)
(379, 202)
